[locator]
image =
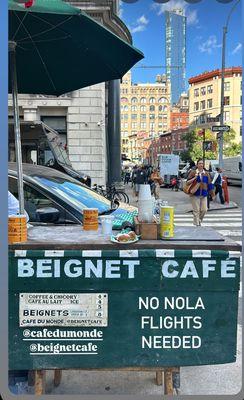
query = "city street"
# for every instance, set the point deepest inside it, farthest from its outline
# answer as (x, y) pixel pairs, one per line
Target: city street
(194, 380)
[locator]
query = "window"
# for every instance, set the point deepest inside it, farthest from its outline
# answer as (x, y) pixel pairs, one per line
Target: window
(151, 116)
(152, 108)
(152, 125)
(143, 108)
(133, 125)
(160, 116)
(226, 115)
(143, 125)
(133, 108)
(202, 119)
(143, 116)
(203, 102)
(210, 88)
(35, 200)
(143, 100)
(196, 92)
(133, 116)
(196, 106)
(226, 100)
(209, 103)
(126, 125)
(124, 99)
(227, 86)
(125, 116)
(152, 100)
(163, 100)
(203, 90)
(196, 120)
(133, 132)
(162, 108)
(134, 100)
(160, 124)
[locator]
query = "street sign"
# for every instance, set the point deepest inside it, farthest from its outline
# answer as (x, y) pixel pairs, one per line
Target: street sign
(213, 119)
(221, 128)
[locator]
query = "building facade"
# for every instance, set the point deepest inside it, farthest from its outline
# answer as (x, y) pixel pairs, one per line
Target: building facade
(179, 113)
(205, 99)
(145, 114)
(81, 116)
(175, 38)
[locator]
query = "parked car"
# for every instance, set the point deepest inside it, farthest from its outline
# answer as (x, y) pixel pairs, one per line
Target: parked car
(54, 197)
(42, 145)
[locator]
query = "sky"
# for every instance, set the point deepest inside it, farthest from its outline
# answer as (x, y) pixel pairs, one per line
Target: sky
(205, 20)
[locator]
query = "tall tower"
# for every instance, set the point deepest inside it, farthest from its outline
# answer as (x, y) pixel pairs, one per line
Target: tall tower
(175, 33)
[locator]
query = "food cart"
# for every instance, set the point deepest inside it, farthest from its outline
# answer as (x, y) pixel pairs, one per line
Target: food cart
(79, 301)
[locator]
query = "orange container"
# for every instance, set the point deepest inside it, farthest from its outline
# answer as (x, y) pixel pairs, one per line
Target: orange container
(17, 229)
(90, 219)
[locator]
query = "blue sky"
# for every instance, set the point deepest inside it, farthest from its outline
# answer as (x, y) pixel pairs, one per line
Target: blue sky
(205, 21)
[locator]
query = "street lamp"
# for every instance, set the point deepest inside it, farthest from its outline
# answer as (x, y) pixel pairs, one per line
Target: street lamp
(221, 141)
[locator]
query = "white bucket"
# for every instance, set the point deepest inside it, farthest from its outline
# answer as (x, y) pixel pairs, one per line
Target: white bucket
(144, 192)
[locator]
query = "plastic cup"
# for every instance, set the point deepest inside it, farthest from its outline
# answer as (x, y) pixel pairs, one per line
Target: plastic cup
(144, 192)
(107, 224)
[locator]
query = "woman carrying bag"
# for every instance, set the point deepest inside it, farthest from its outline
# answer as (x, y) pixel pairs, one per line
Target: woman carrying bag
(198, 186)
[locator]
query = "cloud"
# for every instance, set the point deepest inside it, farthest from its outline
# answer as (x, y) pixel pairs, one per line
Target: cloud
(237, 48)
(140, 24)
(191, 15)
(209, 45)
(121, 10)
(143, 20)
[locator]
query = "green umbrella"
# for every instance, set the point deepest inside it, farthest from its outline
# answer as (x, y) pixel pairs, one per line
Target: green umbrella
(56, 48)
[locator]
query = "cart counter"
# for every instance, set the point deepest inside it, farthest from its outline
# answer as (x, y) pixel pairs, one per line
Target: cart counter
(84, 302)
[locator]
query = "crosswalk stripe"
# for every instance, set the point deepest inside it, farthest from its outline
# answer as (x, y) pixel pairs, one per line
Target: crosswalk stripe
(228, 219)
(229, 233)
(218, 214)
(212, 224)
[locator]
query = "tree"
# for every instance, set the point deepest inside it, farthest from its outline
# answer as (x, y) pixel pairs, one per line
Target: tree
(231, 148)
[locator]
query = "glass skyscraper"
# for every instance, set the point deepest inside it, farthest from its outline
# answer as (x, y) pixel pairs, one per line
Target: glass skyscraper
(175, 29)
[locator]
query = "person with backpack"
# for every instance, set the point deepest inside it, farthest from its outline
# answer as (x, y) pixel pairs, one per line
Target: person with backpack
(217, 182)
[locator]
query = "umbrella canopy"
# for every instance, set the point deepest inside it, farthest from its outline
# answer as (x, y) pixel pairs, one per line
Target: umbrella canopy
(59, 49)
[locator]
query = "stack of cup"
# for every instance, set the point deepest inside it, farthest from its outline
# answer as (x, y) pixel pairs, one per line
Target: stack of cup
(145, 204)
(17, 229)
(90, 219)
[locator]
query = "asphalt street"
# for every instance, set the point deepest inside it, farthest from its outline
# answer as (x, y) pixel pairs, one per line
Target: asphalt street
(222, 379)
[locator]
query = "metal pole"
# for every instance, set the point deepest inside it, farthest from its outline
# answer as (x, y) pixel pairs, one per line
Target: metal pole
(12, 47)
(203, 147)
(221, 141)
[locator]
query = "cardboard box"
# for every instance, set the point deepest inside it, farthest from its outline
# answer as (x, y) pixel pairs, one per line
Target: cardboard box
(147, 230)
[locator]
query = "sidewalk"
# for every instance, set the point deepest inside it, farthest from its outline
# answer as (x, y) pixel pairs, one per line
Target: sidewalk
(179, 200)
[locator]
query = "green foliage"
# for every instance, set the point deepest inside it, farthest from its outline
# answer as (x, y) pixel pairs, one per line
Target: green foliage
(194, 144)
(231, 148)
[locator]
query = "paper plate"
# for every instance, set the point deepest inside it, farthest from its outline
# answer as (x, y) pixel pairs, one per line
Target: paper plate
(114, 240)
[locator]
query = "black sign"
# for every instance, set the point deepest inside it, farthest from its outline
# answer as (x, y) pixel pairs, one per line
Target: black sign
(221, 128)
(208, 146)
(213, 119)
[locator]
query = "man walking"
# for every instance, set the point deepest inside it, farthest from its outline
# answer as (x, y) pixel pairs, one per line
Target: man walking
(217, 182)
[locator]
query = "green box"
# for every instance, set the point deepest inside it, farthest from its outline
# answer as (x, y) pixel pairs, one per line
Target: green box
(143, 308)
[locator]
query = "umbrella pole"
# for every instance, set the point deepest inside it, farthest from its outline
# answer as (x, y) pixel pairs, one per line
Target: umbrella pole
(12, 47)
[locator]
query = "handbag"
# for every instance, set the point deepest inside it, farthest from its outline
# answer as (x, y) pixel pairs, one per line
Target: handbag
(192, 188)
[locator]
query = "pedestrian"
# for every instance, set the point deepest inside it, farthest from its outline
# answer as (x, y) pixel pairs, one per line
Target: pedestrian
(157, 180)
(140, 179)
(126, 176)
(199, 179)
(217, 182)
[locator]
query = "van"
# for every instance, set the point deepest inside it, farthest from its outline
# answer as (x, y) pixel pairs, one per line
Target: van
(232, 169)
